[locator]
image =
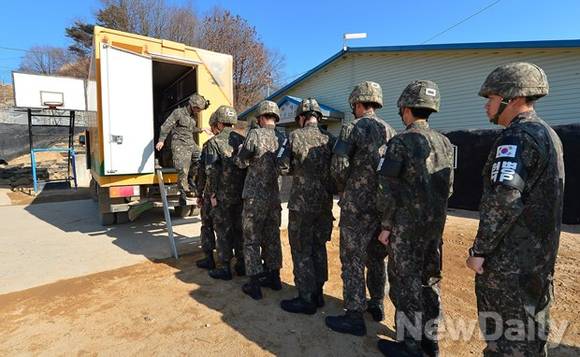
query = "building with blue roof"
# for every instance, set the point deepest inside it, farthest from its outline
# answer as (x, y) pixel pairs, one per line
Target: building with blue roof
(459, 70)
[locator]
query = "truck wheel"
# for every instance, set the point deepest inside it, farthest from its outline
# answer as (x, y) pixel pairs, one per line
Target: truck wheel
(93, 190)
(107, 218)
(182, 211)
(122, 217)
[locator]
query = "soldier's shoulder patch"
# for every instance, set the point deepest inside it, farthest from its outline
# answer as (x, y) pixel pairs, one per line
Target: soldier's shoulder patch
(506, 151)
(508, 169)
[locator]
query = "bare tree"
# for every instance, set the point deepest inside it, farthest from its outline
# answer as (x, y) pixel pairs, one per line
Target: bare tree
(255, 67)
(182, 26)
(44, 60)
(78, 68)
(153, 18)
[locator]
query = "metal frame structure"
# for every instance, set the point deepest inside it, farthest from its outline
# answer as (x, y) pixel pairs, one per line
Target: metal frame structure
(71, 154)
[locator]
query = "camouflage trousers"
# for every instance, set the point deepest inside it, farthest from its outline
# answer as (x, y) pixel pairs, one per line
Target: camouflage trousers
(207, 229)
(308, 233)
(227, 220)
(359, 247)
(414, 269)
(185, 160)
(261, 226)
(505, 300)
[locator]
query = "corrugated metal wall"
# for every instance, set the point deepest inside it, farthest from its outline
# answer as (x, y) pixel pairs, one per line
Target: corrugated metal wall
(459, 74)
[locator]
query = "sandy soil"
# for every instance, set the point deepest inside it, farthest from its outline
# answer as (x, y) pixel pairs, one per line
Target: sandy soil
(169, 308)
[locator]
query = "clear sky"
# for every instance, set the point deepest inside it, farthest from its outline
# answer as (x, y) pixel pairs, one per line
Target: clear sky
(308, 32)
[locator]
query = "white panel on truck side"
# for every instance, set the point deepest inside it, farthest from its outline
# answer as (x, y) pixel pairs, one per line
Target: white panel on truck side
(127, 112)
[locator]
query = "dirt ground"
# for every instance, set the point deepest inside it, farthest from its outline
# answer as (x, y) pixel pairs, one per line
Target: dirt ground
(172, 308)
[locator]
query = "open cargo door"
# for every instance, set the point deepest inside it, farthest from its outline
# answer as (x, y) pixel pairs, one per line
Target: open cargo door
(127, 112)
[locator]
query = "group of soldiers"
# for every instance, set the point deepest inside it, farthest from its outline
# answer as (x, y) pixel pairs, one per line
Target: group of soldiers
(393, 191)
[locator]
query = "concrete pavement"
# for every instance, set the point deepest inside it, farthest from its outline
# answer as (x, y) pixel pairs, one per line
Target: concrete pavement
(43, 243)
(46, 242)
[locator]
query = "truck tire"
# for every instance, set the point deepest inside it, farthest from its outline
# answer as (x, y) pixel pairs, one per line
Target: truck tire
(122, 217)
(182, 211)
(93, 190)
(107, 218)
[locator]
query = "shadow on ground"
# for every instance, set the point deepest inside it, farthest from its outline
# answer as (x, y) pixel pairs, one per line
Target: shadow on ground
(146, 236)
(267, 325)
(563, 351)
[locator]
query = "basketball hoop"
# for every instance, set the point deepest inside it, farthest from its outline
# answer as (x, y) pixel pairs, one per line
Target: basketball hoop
(52, 104)
(52, 100)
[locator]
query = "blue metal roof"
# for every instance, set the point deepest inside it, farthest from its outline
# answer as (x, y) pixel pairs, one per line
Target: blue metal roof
(326, 110)
(572, 43)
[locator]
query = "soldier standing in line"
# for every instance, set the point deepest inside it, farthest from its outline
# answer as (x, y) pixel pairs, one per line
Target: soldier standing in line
(204, 202)
(517, 242)
(225, 182)
(182, 123)
(309, 206)
(354, 163)
(262, 207)
(415, 181)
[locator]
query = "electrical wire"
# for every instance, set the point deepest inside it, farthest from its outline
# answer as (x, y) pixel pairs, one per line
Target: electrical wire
(462, 21)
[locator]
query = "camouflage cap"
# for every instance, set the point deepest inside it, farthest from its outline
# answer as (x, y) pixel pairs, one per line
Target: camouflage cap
(213, 119)
(366, 92)
(308, 105)
(198, 101)
(420, 94)
(268, 107)
(519, 79)
(226, 115)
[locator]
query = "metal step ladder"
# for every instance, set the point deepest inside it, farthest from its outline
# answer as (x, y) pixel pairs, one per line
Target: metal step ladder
(163, 192)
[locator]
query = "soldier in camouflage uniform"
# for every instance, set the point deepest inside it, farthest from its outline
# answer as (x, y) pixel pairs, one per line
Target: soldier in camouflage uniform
(203, 201)
(182, 123)
(225, 182)
(262, 207)
(310, 207)
(355, 159)
(517, 242)
(415, 181)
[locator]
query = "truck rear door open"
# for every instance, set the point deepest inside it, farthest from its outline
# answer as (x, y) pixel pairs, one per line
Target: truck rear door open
(127, 112)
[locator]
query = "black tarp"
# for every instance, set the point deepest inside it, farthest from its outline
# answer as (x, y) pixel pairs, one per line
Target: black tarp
(473, 148)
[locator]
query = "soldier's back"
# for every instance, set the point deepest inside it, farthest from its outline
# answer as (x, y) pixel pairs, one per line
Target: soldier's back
(368, 135)
(231, 176)
(427, 175)
(311, 155)
(262, 177)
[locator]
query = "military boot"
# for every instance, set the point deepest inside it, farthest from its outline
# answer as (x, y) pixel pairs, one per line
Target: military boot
(351, 322)
(223, 273)
(319, 297)
(430, 347)
(396, 349)
(207, 262)
(377, 310)
(240, 268)
(271, 279)
(303, 304)
(182, 199)
(252, 288)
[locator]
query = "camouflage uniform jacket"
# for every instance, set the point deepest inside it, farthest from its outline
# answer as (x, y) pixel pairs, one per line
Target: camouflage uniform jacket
(200, 178)
(521, 205)
(224, 179)
(415, 177)
(258, 154)
(354, 167)
(183, 126)
(310, 154)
